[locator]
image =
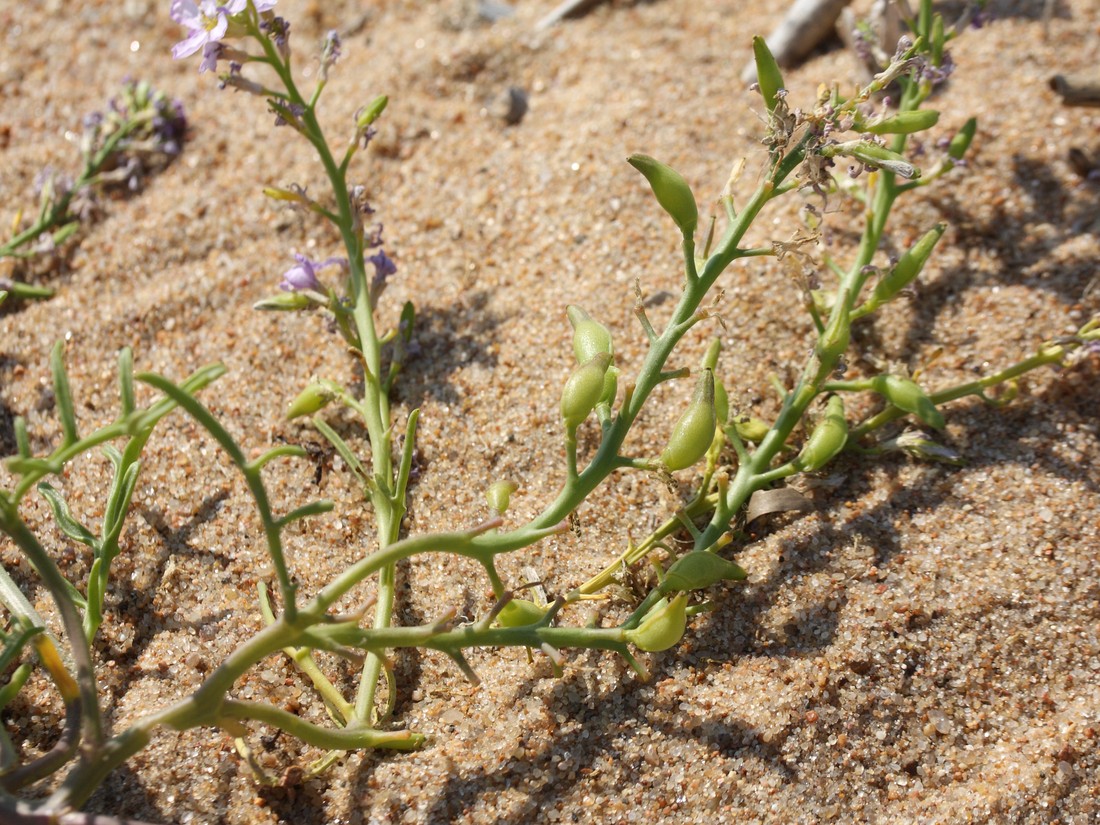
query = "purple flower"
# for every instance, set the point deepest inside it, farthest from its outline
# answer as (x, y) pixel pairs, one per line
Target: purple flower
(383, 269)
(208, 22)
(304, 275)
(330, 52)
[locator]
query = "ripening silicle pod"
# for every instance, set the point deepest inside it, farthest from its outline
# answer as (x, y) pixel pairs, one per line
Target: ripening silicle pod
(908, 267)
(370, 113)
(751, 429)
(584, 389)
(662, 627)
(904, 123)
(312, 399)
(499, 495)
(671, 190)
(721, 403)
(694, 431)
(827, 439)
(610, 386)
(956, 149)
(768, 76)
(905, 394)
(835, 337)
(589, 337)
(699, 569)
(520, 612)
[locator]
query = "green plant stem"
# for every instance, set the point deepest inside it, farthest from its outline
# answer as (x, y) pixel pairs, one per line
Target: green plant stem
(58, 586)
(384, 496)
(1050, 354)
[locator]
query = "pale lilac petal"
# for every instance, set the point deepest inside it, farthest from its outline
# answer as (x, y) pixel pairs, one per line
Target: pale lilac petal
(186, 12)
(220, 27)
(195, 41)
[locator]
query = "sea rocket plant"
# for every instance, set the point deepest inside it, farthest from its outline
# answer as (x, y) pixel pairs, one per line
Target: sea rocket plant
(743, 459)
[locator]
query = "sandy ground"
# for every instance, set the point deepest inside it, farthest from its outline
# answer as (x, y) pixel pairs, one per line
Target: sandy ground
(924, 647)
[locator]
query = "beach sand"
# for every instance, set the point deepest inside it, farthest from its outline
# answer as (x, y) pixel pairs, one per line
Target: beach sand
(923, 647)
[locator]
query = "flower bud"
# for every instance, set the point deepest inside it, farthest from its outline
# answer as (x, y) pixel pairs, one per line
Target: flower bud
(313, 398)
(828, 438)
(700, 569)
(662, 627)
(906, 395)
(906, 270)
(672, 191)
(768, 76)
(583, 390)
(520, 612)
(499, 495)
(694, 432)
(589, 337)
(873, 155)
(904, 123)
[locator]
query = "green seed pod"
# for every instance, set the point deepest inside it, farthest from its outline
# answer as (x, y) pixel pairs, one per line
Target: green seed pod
(907, 268)
(610, 386)
(662, 627)
(938, 38)
(904, 123)
(834, 339)
(875, 156)
(589, 337)
(671, 190)
(700, 569)
(694, 432)
(313, 398)
(499, 495)
(583, 390)
(962, 140)
(906, 395)
(751, 429)
(520, 612)
(721, 403)
(284, 302)
(828, 438)
(370, 113)
(768, 76)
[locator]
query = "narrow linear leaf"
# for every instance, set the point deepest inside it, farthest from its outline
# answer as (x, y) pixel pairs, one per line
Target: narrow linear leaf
(64, 518)
(14, 645)
(182, 397)
(62, 394)
(118, 503)
(342, 448)
(22, 442)
(289, 450)
(126, 380)
(314, 508)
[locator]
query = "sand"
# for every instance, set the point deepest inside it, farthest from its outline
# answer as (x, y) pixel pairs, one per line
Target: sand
(923, 647)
